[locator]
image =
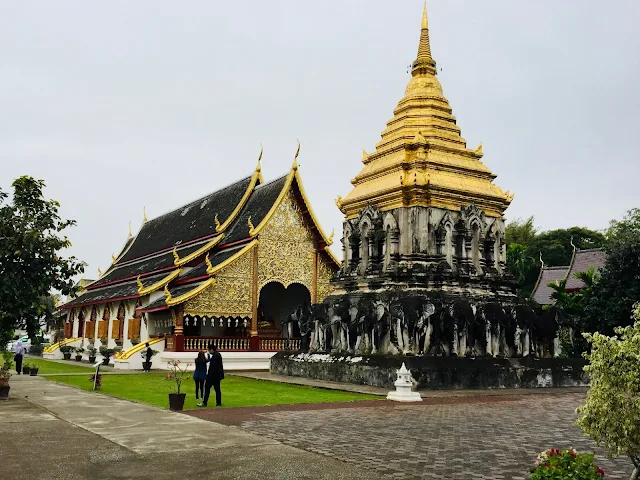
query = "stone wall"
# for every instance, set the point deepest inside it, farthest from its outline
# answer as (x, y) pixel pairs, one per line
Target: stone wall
(431, 373)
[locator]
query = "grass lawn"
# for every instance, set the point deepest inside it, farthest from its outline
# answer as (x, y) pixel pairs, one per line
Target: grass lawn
(45, 366)
(236, 391)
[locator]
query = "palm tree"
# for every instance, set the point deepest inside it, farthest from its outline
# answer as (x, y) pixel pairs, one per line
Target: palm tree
(518, 262)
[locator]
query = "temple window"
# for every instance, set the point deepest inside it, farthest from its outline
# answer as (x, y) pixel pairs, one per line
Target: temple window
(475, 245)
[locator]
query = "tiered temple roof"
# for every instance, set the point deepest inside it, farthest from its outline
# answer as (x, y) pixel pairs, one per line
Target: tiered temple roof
(581, 261)
(180, 251)
(422, 160)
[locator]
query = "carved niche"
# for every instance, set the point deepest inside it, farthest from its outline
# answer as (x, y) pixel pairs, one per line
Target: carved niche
(230, 295)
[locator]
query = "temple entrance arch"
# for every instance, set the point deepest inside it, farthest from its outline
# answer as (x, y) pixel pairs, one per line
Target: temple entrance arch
(277, 302)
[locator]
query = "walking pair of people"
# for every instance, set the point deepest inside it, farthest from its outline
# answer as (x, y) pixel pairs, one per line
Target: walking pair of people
(205, 379)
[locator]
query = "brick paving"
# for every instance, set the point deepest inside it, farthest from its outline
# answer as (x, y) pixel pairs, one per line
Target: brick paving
(459, 437)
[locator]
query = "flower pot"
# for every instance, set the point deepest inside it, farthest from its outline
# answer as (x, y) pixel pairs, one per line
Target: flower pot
(4, 381)
(176, 401)
(67, 356)
(78, 358)
(26, 370)
(4, 391)
(34, 372)
(146, 366)
(92, 359)
(105, 361)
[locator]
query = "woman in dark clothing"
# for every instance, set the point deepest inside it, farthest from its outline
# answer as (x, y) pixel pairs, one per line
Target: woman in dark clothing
(200, 374)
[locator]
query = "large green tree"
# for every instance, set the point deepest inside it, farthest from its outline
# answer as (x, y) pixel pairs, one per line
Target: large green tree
(608, 303)
(31, 266)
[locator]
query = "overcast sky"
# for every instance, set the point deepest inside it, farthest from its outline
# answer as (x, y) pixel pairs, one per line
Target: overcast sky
(122, 104)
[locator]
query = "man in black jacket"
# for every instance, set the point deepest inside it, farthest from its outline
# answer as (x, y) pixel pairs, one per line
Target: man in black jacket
(214, 375)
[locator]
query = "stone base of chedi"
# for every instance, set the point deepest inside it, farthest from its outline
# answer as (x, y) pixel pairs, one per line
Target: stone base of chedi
(431, 373)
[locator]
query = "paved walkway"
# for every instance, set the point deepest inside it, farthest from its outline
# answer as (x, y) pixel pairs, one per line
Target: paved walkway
(58, 432)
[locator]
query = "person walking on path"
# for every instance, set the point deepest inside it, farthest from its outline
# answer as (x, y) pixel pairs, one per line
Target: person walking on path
(214, 376)
(19, 351)
(200, 375)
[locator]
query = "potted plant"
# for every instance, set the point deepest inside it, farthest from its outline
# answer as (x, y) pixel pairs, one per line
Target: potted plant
(92, 354)
(26, 368)
(67, 351)
(146, 366)
(5, 375)
(34, 369)
(106, 354)
(79, 351)
(177, 375)
(97, 381)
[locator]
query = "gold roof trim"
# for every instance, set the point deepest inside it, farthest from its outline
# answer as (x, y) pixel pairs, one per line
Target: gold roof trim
(211, 269)
(293, 175)
(255, 178)
(332, 255)
(142, 290)
(190, 294)
(208, 246)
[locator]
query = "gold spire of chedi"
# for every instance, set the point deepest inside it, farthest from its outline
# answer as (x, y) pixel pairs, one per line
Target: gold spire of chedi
(423, 142)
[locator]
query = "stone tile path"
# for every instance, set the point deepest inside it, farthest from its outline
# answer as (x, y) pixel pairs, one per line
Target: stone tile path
(479, 438)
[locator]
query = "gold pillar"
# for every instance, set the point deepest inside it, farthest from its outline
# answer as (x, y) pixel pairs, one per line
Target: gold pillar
(255, 294)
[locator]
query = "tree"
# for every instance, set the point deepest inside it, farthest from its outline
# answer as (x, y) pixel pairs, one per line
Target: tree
(520, 231)
(611, 413)
(608, 302)
(30, 264)
(519, 263)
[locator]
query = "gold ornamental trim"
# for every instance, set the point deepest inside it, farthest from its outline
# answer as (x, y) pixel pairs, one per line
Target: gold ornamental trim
(142, 290)
(127, 354)
(211, 269)
(170, 301)
(255, 178)
(192, 256)
(293, 175)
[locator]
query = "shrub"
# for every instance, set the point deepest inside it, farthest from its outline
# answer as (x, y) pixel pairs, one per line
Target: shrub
(557, 464)
(92, 351)
(67, 349)
(611, 413)
(7, 356)
(36, 349)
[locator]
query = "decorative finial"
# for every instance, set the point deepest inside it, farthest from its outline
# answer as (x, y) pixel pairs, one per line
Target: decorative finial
(479, 149)
(295, 159)
(365, 155)
(572, 244)
(83, 282)
(424, 63)
(144, 214)
(259, 158)
(140, 285)
(217, 223)
(208, 262)
(425, 19)
(167, 293)
(99, 272)
(55, 301)
(130, 234)
(333, 231)
(250, 223)
(176, 258)
(541, 261)
(113, 258)
(339, 201)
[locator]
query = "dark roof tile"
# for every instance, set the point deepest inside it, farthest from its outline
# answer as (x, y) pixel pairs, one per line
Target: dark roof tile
(543, 292)
(581, 262)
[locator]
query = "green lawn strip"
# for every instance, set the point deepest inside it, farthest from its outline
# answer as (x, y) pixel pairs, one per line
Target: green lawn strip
(45, 366)
(236, 391)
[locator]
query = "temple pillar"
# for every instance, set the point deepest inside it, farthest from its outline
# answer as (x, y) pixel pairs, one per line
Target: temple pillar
(178, 329)
(254, 340)
(354, 244)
